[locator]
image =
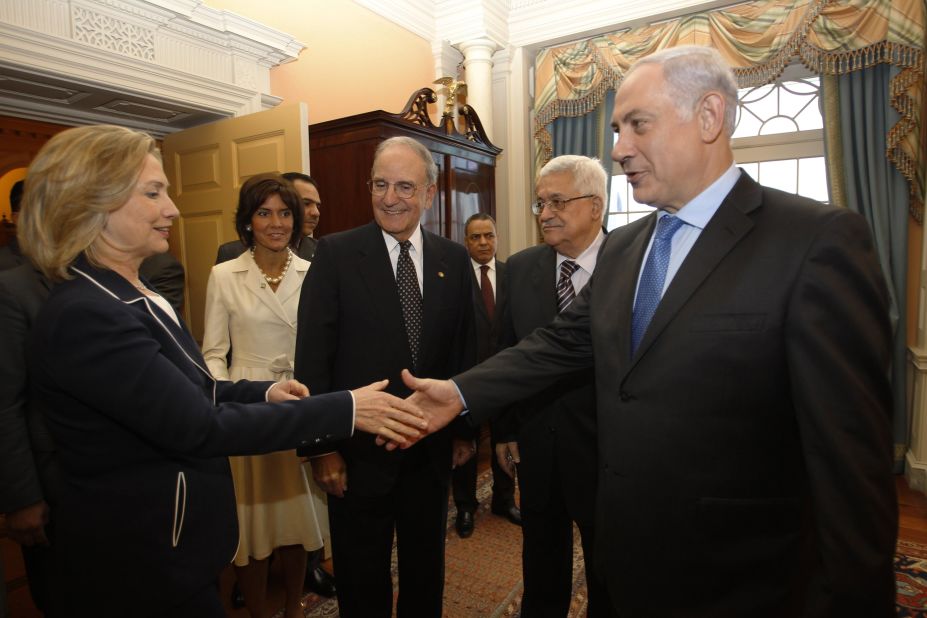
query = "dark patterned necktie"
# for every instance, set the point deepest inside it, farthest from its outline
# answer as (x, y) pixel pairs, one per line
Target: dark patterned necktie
(565, 291)
(489, 300)
(650, 289)
(411, 298)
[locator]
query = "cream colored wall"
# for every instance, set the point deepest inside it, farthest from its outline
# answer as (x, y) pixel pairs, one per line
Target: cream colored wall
(355, 61)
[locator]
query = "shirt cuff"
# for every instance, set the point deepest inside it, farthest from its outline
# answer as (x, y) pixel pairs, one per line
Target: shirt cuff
(466, 409)
(353, 411)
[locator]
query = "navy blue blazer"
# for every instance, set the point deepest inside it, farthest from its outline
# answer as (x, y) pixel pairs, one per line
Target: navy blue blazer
(143, 432)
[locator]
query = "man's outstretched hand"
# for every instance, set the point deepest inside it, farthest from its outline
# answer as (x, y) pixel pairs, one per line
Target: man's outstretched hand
(438, 399)
(398, 421)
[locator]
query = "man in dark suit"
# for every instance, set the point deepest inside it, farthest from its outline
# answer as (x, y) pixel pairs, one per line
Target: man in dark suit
(28, 470)
(166, 276)
(741, 353)
(490, 300)
(379, 298)
(551, 437)
(308, 190)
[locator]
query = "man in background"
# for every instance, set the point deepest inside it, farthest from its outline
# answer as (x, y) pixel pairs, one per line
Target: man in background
(308, 190)
(551, 436)
(490, 299)
(741, 341)
(380, 298)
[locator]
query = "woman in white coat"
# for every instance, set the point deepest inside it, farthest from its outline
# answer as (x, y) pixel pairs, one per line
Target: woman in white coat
(251, 304)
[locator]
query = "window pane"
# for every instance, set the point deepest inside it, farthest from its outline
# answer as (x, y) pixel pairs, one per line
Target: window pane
(812, 179)
(780, 175)
(778, 124)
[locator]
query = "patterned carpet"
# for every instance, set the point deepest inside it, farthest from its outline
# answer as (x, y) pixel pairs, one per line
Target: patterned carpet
(483, 572)
(911, 579)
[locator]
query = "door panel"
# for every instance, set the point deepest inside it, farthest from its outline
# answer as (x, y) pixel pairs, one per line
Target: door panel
(206, 167)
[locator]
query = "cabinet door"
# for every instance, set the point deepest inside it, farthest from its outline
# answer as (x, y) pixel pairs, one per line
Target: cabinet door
(471, 189)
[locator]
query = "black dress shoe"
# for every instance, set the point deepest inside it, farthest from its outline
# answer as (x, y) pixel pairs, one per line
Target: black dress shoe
(321, 582)
(238, 599)
(511, 513)
(464, 524)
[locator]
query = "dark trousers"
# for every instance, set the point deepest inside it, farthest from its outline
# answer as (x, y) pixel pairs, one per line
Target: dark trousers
(463, 482)
(38, 562)
(547, 559)
(362, 538)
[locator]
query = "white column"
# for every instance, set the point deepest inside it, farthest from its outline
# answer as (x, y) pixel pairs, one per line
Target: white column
(478, 67)
(916, 457)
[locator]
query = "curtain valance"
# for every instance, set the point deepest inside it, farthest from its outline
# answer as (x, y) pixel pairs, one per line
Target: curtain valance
(758, 39)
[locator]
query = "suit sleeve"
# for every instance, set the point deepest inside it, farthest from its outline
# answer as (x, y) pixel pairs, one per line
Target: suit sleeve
(838, 342)
(19, 479)
(539, 359)
(317, 322)
(505, 425)
(216, 337)
(124, 376)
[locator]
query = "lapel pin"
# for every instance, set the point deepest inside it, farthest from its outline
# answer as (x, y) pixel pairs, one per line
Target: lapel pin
(441, 274)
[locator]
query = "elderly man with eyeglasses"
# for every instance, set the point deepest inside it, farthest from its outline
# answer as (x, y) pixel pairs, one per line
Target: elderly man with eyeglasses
(550, 438)
(378, 299)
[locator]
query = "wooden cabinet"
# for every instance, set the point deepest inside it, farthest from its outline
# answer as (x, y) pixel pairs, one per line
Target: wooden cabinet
(341, 155)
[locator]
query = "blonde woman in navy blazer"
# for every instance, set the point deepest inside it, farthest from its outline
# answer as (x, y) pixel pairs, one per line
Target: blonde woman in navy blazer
(142, 429)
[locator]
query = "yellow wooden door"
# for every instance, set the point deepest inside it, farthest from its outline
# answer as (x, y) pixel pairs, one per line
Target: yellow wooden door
(206, 166)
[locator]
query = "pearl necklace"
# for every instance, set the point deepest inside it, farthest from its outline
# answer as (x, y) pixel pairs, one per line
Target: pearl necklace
(278, 278)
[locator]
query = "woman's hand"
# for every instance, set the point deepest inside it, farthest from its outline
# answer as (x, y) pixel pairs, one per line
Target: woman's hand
(287, 390)
(393, 419)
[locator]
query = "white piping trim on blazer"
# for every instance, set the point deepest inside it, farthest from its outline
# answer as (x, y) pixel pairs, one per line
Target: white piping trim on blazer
(148, 307)
(175, 529)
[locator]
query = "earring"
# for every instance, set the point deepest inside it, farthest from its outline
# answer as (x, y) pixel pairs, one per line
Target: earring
(248, 228)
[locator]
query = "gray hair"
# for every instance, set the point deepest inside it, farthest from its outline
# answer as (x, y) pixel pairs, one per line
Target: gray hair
(431, 169)
(588, 175)
(691, 71)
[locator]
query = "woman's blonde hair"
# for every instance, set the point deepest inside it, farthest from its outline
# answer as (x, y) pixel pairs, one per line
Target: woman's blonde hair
(78, 178)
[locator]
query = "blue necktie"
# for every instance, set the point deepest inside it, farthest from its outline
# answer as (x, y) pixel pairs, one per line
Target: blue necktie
(650, 289)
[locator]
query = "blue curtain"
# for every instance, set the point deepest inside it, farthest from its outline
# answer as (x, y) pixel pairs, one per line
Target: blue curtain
(588, 135)
(874, 188)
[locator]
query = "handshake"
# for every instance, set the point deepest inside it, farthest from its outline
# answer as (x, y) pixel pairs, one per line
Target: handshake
(397, 423)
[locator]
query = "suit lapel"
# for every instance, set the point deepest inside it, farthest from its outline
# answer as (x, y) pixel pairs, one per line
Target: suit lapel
(375, 270)
(544, 279)
(434, 286)
(724, 230)
(501, 293)
(255, 284)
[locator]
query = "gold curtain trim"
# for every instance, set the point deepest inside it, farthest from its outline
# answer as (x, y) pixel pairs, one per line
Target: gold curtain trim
(604, 73)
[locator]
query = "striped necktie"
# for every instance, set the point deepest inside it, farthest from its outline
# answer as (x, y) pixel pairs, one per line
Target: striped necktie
(565, 291)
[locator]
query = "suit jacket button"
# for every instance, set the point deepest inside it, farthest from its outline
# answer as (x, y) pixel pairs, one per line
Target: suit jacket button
(625, 396)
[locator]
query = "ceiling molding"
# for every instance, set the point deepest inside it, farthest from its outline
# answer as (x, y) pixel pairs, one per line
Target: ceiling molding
(156, 65)
(416, 16)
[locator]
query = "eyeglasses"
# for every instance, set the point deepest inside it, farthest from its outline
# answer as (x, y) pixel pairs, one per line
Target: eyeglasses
(556, 204)
(403, 190)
